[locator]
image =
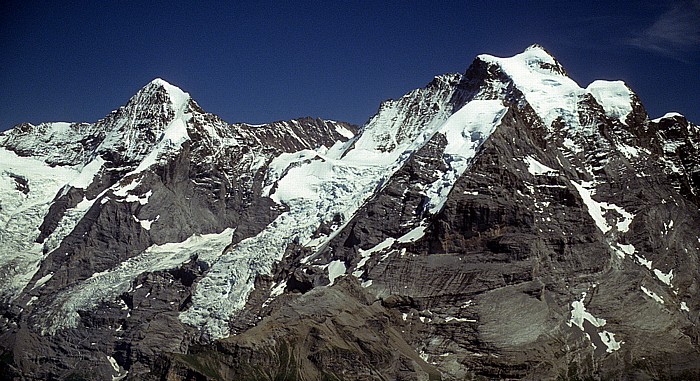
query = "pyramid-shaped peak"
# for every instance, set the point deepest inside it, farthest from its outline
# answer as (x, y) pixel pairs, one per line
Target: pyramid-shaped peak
(539, 51)
(537, 47)
(157, 86)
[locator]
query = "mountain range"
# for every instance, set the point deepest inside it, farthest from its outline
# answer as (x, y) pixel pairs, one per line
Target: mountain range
(504, 223)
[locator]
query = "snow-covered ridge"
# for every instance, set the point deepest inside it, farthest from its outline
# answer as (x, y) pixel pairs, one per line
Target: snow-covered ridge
(317, 186)
(614, 96)
(129, 132)
(552, 94)
(668, 115)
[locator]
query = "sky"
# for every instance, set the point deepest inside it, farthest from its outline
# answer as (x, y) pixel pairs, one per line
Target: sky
(260, 61)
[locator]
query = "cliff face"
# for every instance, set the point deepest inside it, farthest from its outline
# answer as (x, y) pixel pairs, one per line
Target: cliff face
(504, 223)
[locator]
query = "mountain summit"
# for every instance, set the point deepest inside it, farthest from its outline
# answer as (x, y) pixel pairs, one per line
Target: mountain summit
(504, 223)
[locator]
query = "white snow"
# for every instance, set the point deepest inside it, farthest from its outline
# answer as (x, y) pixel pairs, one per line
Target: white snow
(335, 269)
(594, 208)
(684, 307)
(106, 285)
(629, 151)
(344, 131)
(668, 115)
(579, 315)
(652, 294)
(146, 224)
(643, 261)
(551, 94)
(42, 281)
(87, 174)
(627, 249)
(614, 96)
(280, 164)
(113, 363)
(622, 250)
(316, 187)
(21, 214)
(666, 278)
(413, 235)
(597, 209)
(465, 131)
(171, 140)
(143, 199)
(178, 98)
(536, 168)
(278, 290)
(366, 254)
(608, 339)
(122, 190)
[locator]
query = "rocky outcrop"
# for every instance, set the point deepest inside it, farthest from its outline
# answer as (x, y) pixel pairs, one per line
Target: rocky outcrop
(501, 224)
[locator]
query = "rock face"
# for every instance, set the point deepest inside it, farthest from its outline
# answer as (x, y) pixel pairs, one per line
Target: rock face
(501, 224)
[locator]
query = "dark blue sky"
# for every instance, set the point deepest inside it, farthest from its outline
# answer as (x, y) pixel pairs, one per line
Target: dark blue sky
(264, 61)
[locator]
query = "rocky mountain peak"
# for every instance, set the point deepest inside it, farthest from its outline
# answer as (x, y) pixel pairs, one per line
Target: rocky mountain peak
(501, 224)
(160, 91)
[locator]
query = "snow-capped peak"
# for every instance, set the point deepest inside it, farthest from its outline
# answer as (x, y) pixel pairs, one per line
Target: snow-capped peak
(669, 115)
(543, 82)
(539, 49)
(553, 94)
(176, 96)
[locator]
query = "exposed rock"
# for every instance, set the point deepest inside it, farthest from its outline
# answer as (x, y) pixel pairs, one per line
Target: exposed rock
(501, 224)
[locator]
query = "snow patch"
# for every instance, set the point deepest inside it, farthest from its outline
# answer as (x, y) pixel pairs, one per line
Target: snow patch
(597, 209)
(627, 150)
(42, 281)
(413, 235)
(666, 278)
(335, 269)
(146, 224)
(652, 294)
(643, 261)
(684, 307)
(594, 208)
(608, 339)
(536, 168)
(113, 362)
(579, 315)
(278, 290)
(627, 249)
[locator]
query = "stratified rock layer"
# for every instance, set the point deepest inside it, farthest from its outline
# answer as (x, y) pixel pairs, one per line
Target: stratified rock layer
(501, 224)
